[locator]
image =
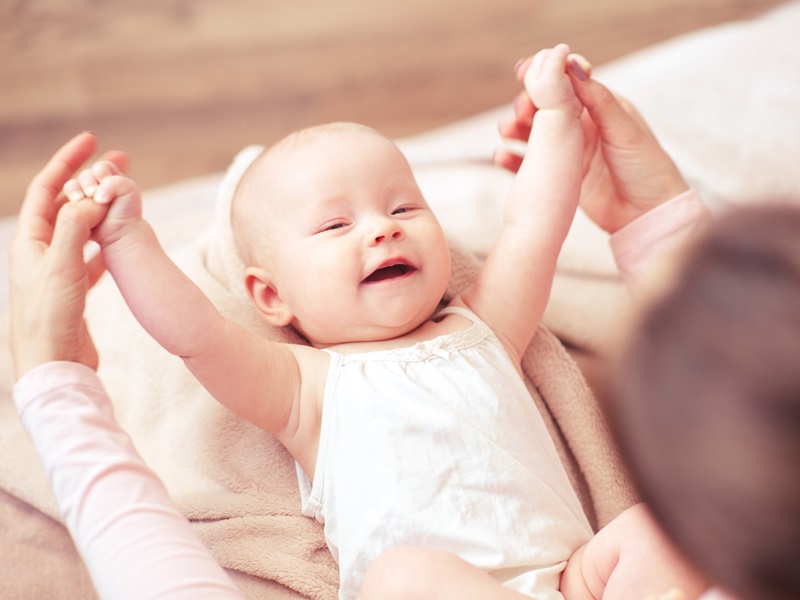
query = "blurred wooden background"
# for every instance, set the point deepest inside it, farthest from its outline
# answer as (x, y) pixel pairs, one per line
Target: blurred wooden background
(183, 84)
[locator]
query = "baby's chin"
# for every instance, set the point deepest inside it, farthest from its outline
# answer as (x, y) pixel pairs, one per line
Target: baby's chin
(366, 334)
(399, 317)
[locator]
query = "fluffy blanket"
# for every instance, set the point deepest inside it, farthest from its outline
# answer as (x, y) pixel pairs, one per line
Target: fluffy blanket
(734, 139)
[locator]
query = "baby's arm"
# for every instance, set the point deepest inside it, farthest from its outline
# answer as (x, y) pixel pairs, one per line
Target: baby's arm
(255, 378)
(513, 286)
(630, 558)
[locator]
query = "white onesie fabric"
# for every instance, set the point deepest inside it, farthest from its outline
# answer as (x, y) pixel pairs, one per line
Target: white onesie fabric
(441, 445)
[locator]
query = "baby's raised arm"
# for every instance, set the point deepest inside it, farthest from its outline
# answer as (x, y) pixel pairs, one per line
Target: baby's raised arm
(513, 286)
(253, 377)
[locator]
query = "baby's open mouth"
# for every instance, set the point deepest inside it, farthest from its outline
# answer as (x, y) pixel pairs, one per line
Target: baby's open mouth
(389, 272)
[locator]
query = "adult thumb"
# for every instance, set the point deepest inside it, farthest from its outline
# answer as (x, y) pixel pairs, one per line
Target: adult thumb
(72, 232)
(618, 121)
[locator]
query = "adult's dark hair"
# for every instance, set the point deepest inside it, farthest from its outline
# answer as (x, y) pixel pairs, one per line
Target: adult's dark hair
(705, 403)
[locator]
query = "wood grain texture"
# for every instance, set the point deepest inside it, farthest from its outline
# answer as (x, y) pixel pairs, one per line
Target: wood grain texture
(181, 85)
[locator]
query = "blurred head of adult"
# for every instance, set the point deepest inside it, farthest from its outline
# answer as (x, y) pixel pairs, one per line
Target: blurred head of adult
(705, 402)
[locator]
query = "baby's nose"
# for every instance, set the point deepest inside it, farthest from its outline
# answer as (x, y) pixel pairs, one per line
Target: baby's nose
(395, 235)
(386, 230)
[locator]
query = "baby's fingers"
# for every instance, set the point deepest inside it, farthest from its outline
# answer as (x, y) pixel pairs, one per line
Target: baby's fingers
(576, 63)
(103, 169)
(73, 190)
(112, 187)
(88, 183)
(107, 171)
(538, 63)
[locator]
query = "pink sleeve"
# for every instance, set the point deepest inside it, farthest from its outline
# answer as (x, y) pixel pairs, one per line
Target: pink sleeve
(134, 541)
(641, 239)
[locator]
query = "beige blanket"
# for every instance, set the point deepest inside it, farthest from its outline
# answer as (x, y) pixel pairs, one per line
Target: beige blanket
(238, 485)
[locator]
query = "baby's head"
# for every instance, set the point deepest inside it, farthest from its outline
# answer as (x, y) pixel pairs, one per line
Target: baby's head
(336, 237)
(706, 403)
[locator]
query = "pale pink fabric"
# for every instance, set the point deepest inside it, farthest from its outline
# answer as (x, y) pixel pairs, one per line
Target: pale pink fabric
(135, 543)
(654, 231)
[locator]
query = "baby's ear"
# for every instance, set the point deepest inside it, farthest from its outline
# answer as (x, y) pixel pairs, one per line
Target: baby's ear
(265, 297)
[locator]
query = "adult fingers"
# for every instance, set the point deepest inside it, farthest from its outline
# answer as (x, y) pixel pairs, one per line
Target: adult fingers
(71, 233)
(619, 124)
(512, 128)
(507, 160)
(522, 67)
(120, 159)
(579, 66)
(95, 266)
(518, 126)
(41, 202)
(524, 109)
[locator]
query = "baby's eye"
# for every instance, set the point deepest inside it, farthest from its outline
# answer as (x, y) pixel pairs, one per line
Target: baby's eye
(401, 210)
(332, 226)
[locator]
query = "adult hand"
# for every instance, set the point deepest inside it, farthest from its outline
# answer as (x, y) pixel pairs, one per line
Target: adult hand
(49, 275)
(626, 171)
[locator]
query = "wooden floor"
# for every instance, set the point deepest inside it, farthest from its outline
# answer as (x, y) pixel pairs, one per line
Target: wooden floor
(183, 84)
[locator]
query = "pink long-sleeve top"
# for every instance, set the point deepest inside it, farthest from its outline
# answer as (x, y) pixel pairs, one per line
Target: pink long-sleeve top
(134, 541)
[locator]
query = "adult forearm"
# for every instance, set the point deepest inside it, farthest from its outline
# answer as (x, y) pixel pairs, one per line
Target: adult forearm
(134, 541)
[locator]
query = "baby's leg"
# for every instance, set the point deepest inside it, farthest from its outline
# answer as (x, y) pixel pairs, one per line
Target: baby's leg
(412, 573)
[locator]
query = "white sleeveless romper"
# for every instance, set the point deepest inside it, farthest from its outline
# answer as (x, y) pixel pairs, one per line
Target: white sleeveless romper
(441, 445)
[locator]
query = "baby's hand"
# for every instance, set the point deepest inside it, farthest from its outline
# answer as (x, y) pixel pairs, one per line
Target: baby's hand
(104, 184)
(548, 84)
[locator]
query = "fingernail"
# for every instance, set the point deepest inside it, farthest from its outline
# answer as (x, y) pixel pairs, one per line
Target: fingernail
(578, 70)
(101, 197)
(74, 196)
(519, 64)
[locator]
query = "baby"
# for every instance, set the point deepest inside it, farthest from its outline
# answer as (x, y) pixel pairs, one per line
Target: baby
(409, 422)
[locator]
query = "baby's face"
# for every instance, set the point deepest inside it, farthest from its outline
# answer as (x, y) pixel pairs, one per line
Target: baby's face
(359, 255)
